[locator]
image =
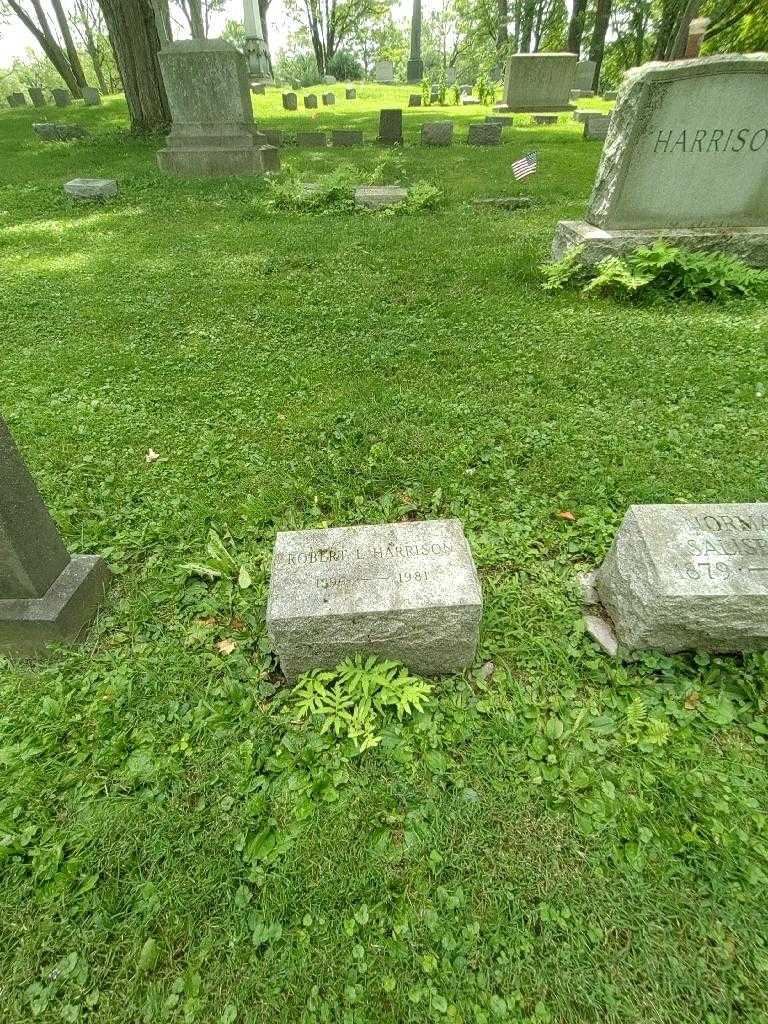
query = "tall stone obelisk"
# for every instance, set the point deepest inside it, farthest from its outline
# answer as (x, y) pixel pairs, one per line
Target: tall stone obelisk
(415, 69)
(255, 47)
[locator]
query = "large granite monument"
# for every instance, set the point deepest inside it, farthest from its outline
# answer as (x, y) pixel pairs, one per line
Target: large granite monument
(407, 591)
(686, 158)
(45, 596)
(209, 94)
(683, 577)
(539, 81)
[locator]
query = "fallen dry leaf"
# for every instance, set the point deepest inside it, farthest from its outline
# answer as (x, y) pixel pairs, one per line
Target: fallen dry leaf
(225, 646)
(237, 624)
(151, 456)
(692, 700)
(568, 516)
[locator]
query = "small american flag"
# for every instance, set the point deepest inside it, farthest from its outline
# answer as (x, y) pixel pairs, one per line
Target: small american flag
(525, 165)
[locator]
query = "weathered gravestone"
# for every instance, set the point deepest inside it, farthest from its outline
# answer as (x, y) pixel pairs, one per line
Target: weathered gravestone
(37, 96)
(290, 101)
(437, 133)
(686, 159)
(350, 94)
(582, 115)
(585, 73)
(344, 138)
(406, 591)
(91, 96)
(328, 99)
(91, 188)
(258, 88)
(311, 140)
(310, 102)
(391, 126)
(468, 100)
(503, 203)
(500, 119)
(269, 158)
(414, 100)
(209, 95)
(384, 72)
(61, 97)
(17, 99)
(58, 131)
(377, 197)
(684, 577)
(484, 135)
(545, 118)
(539, 81)
(45, 596)
(329, 80)
(596, 126)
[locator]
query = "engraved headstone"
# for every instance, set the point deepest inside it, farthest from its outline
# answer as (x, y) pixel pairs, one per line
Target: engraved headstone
(311, 140)
(391, 126)
(377, 197)
(17, 99)
(91, 188)
(329, 80)
(343, 138)
(539, 81)
(350, 94)
(328, 99)
(684, 577)
(596, 126)
(290, 101)
(61, 97)
(545, 118)
(269, 157)
(45, 596)
(700, 123)
(58, 131)
(414, 100)
(500, 119)
(437, 133)
(310, 102)
(37, 96)
(91, 96)
(484, 134)
(209, 95)
(585, 73)
(405, 591)
(384, 71)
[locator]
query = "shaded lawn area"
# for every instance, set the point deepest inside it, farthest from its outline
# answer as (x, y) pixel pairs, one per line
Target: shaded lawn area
(565, 840)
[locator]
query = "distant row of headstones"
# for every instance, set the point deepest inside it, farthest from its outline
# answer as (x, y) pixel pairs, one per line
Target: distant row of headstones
(61, 97)
(291, 100)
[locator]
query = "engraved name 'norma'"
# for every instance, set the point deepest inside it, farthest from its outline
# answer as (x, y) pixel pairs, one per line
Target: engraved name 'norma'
(314, 556)
(710, 140)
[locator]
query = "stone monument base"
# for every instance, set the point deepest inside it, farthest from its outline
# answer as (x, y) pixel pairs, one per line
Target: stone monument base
(29, 625)
(209, 162)
(747, 244)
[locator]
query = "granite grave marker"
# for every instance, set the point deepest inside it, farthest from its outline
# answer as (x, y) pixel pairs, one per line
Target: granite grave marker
(539, 81)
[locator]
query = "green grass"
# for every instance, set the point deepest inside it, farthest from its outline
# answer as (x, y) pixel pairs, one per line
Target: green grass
(566, 840)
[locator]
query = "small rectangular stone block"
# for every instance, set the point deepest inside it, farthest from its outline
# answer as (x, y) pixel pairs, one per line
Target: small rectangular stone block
(350, 94)
(343, 138)
(376, 197)
(328, 99)
(258, 89)
(57, 131)
(596, 126)
(582, 115)
(37, 96)
(467, 100)
(91, 96)
(484, 135)
(414, 100)
(689, 577)
(311, 140)
(61, 97)
(545, 118)
(437, 133)
(310, 102)
(500, 119)
(391, 126)
(581, 94)
(290, 101)
(404, 591)
(91, 188)
(269, 157)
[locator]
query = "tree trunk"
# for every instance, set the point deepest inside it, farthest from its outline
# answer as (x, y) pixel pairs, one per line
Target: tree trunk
(196, 24)
(135, 40)
(597, 45)
(48, 44)
(526, 25)
(690, 11)
(638, 36)
(69, 43)
(665, 32)
(502, 33)
(576, 27)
